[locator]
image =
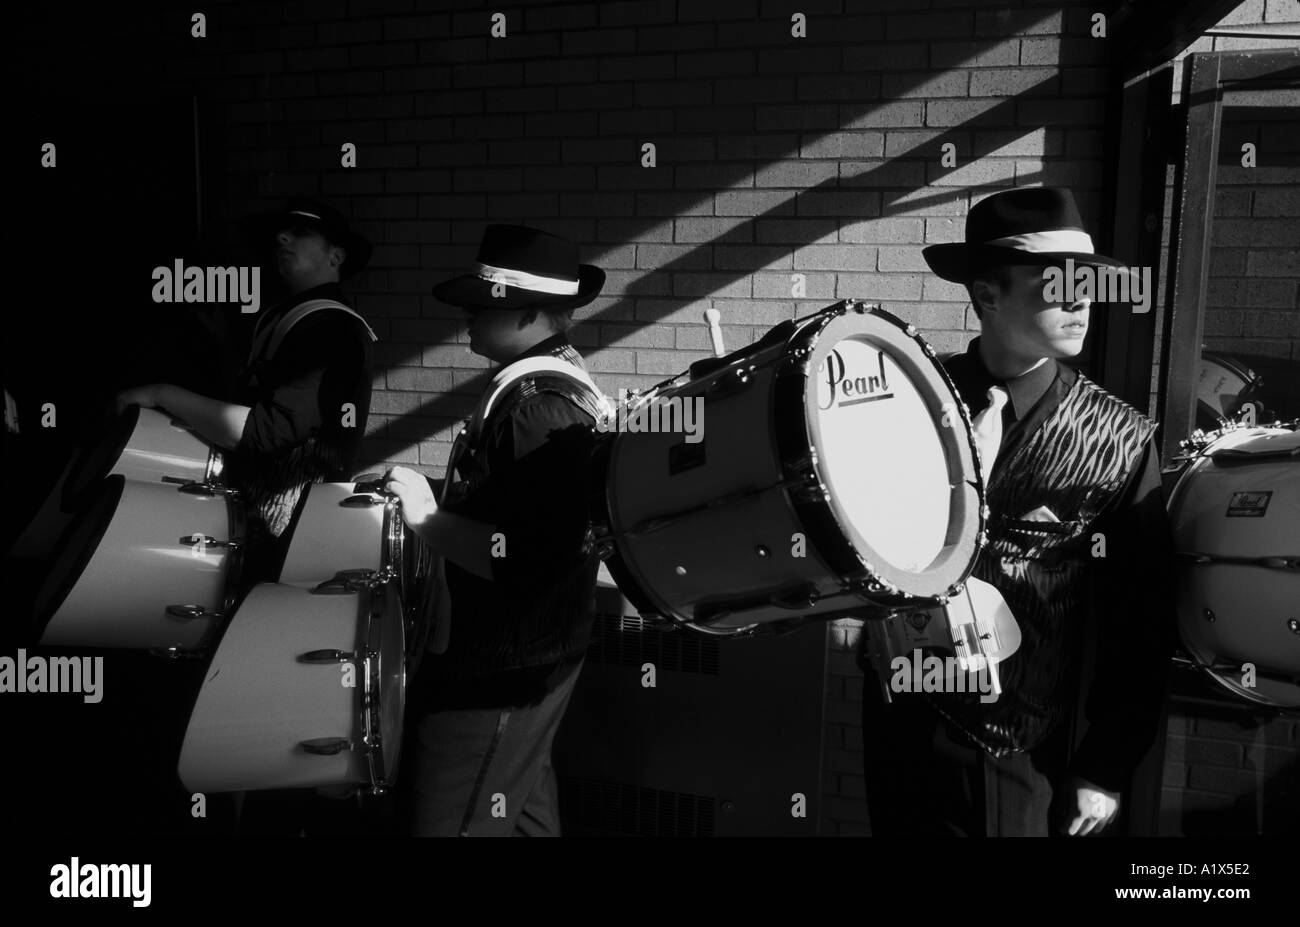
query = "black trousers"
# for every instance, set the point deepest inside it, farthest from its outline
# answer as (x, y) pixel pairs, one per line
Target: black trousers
(486, 772)
(925, 778)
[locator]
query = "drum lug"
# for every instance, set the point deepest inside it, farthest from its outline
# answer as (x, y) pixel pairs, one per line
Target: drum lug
(327, 656)
(325, 746)
(191, 611)
(734, 381)
(346, 582)
(207, 540)
(364, 501)
(201, 488)
(175, 653)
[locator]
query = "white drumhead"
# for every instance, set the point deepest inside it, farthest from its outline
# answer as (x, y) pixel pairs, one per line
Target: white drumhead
(881, 453)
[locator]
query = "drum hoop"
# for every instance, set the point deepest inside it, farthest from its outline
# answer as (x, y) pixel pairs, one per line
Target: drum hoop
(598, 511)
(1231, 364)
(372, 691)
(843, 544)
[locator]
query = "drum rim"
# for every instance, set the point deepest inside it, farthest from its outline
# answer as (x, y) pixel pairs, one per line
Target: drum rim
(848, 546)
(381, 769)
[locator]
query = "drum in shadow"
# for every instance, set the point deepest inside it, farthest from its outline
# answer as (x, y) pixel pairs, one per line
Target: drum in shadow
(144, 565)
(145, 445)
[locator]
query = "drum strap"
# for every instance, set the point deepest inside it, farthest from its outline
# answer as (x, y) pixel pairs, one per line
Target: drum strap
(269, 339)
(511, 374)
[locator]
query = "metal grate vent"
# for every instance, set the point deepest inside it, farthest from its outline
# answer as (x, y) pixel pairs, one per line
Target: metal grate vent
(626, 640)
(629, 809)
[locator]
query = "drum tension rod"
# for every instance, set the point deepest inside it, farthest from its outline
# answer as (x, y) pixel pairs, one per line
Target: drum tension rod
(207, 540)
(1272, 563)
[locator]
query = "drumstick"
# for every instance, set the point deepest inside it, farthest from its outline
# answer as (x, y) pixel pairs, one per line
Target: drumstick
(713, 316)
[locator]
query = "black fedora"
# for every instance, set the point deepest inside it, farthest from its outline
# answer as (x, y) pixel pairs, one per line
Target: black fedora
(300, 211)
(1034, 225)
(520, 267)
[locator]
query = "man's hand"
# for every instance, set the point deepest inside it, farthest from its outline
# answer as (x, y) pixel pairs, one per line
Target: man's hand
(1088, 808)
(414, 493)
(144, 396)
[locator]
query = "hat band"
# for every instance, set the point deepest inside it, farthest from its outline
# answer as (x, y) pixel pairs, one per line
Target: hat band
(1047, 242)
(309, 215)
(554, 286)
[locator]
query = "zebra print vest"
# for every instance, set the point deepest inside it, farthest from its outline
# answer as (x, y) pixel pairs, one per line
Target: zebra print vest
(1076, 464)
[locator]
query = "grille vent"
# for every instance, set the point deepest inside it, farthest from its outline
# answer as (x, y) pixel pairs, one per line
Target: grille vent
(628, 640)
(629, 809)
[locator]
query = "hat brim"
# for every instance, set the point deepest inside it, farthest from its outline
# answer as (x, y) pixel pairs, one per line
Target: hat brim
(259, 228)
(472, 292)
(959, 262)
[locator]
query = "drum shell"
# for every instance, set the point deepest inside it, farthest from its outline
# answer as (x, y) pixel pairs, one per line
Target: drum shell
(259, 702)
(682, 560)
(330, 537)
(1232, 613)
(140, 566)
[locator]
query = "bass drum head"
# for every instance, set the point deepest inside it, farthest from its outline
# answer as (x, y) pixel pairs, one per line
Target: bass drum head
(1235, 508)
(96, 458)
(76, 548)
(895, 454)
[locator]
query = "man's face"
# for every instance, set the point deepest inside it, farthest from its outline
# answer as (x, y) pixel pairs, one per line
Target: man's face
(1023, 323)
(503, 334)
(305, 255)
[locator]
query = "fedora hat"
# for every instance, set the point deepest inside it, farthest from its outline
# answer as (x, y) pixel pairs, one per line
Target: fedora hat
(1033, 225)
(527, 268)
(312, 214)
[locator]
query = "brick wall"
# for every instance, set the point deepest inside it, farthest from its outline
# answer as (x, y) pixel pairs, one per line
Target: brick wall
(775, 156)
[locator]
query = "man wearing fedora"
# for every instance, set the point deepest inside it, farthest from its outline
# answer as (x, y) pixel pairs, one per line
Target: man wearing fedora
(300, 405)
(512, 526)
(1078, 546)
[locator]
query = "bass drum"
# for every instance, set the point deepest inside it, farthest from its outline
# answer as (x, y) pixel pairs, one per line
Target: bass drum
(145, 445)
(306, 689)
(1235, 513)
(830, 467)
(145, 565)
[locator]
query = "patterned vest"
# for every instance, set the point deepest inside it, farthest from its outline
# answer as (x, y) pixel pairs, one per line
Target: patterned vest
(1076, 464)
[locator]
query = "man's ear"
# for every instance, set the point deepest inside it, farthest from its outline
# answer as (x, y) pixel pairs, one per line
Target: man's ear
(338, 254)
(985, 295)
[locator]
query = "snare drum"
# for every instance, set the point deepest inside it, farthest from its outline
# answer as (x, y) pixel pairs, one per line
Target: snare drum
(836, 470)
(1235, 513)
(306, 689)
(145, 565)
(145, 445)
(342, 529)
